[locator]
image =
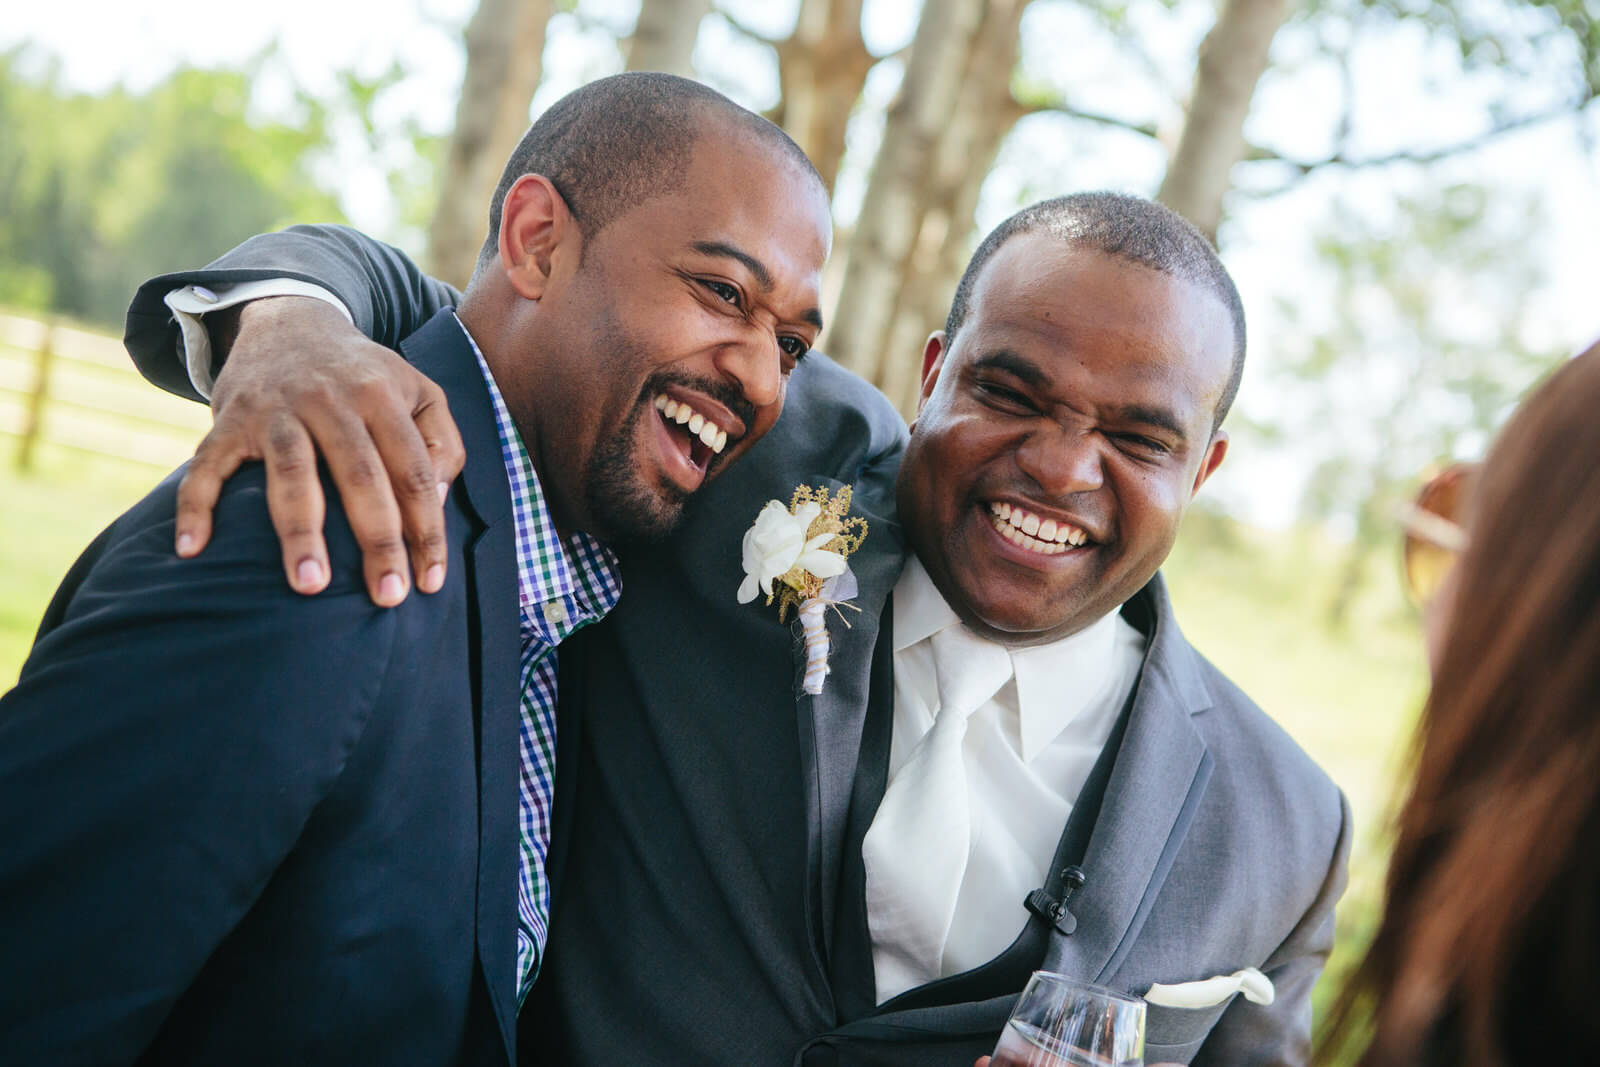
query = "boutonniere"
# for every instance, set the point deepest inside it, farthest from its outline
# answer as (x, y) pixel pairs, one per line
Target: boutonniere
(796, 555)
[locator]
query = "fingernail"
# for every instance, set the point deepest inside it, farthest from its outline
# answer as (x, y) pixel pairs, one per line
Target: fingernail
(444, 491)
(391, 590)
(433, 579)
(185, 544)
(308, 573)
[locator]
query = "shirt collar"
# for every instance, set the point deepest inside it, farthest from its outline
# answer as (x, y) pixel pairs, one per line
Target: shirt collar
(920, 610)
(1055, 683)
(580, 568)
(1060, 681)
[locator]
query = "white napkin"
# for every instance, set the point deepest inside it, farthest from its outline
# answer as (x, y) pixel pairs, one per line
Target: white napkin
(1256, 987)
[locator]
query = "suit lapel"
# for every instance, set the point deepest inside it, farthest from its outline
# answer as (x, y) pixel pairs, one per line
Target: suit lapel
(854, 991)
(1160, 773)
(830, 723)
(441, 351)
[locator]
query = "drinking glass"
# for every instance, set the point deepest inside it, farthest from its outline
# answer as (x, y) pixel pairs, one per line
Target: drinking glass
(1060, 1022)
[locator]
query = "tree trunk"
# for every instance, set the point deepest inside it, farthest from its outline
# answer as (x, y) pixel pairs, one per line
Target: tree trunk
(505, 47)
(822, 68)
(985, 113)
(892, 210)
(1233, 57)
(663, 38)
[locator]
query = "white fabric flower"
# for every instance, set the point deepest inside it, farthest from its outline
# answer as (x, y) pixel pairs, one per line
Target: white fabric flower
(777, 543)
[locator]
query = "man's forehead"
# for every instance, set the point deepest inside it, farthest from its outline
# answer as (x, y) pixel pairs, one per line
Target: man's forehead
(1060, 295)
(762, 219)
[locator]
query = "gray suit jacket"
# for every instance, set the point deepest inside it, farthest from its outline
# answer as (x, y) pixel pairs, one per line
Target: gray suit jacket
(706, 854)
(1210, 842)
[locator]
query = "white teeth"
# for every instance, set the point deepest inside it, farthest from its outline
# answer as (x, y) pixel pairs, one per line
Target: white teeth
(1045, 536)
(711, 435)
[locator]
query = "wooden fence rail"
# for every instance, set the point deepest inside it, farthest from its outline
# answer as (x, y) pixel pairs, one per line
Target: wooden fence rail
(76, 389)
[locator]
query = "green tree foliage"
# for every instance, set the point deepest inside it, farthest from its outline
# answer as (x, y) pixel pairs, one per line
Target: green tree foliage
(1418, 353)
(98, 192)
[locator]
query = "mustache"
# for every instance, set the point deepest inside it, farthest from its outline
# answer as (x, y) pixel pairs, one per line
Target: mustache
(723, 392)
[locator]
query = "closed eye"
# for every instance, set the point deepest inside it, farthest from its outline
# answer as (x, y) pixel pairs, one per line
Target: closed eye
(1149, 446)
(1000, 396)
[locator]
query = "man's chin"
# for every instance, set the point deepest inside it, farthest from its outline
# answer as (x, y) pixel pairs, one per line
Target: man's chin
(643, 516)
(1013, 622)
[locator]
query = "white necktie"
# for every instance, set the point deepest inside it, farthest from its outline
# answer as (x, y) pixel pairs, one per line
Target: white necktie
(915, 852)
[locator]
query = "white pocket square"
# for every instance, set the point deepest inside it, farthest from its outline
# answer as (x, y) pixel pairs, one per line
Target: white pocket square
(1208, 992)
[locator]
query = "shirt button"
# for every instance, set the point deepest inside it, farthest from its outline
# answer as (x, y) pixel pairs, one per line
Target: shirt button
(555, 612)
(203, 293)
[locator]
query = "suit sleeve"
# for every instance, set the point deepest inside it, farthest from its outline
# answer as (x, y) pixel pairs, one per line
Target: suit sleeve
(1279, 1034)
(168, 739)
(387, 294)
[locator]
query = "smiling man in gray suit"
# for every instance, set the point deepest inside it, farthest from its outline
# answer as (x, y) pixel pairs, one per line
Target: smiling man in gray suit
(1017, 761)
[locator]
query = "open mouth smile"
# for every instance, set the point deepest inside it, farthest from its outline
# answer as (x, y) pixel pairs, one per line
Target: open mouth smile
(699, 425)
(693, 437)
(1048, 537)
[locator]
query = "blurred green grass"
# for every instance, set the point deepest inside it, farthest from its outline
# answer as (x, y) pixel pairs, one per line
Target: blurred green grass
(1253, 601)
(52, 513)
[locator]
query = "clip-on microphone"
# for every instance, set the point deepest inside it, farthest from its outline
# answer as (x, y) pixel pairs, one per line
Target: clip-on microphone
(1054, 911)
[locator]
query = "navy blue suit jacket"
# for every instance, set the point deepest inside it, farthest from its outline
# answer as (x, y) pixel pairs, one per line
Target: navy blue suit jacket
(244, 826)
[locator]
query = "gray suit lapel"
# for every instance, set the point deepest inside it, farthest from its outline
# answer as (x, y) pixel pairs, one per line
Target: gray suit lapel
(1160, 773)
(830, 723)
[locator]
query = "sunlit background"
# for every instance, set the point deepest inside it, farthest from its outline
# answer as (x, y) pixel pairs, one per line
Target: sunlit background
(1411, 216)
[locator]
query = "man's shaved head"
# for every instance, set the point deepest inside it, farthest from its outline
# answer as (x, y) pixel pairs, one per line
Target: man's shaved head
(1128, 227)
(619, 141)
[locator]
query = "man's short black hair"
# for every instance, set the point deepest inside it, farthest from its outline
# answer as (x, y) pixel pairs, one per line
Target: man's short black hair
(1138, 230)
(620, 141)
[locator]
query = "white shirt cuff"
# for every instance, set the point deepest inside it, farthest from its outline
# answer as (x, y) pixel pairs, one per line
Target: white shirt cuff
(190, 304)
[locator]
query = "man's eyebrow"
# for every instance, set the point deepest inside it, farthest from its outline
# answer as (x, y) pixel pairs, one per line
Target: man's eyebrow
(757, 269)
(1013, 364)
(1032, 374)
(1154, 416)
(752, 264)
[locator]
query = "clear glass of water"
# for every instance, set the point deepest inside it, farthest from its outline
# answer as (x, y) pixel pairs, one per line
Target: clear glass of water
(1061, 1022)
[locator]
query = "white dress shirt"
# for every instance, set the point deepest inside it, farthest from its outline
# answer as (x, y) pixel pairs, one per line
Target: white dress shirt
(1027, 753)
(191, 303)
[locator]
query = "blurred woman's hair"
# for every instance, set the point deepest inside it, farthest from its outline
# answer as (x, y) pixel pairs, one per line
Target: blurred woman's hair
(1487, 950)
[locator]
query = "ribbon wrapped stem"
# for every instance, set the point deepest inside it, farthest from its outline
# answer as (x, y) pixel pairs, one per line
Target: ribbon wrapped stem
(814, 623)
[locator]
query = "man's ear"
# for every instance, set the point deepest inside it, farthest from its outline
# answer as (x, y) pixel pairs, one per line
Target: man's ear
(933, 353)
(1215, 451)
(534, 223)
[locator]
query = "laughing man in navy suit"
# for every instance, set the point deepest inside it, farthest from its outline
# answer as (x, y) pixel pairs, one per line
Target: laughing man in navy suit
(245, 826)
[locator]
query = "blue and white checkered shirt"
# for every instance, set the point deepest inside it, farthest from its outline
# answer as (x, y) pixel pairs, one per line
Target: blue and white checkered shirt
(564, 586)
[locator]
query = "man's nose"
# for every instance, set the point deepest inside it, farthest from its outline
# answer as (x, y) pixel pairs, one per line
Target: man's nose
(1062, 461)
(756, 364)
